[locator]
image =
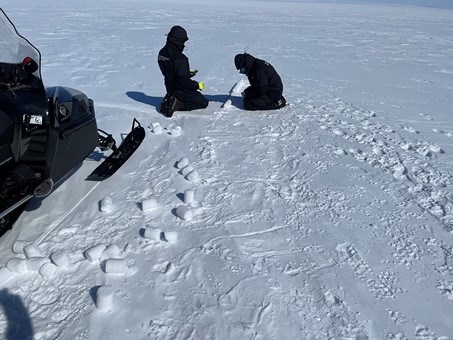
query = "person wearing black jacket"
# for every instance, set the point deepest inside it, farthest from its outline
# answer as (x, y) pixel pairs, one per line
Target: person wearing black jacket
(182, 91)
(266, 89)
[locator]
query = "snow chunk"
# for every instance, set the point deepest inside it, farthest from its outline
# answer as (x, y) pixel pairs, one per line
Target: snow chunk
(151, 233)
(106, 205)
(32, 250)
(61, 258)
(115, 266)
(149, 204)
(186, 170)
(189, 195)
(48, 270)
(182, 163)
(184, 213)
(436, 149)
(111, 251)
(330, 299)
(406, 146)
(377, 151)
(17, 265)
(340, 152)
(192, 176)
(94, 253)
(174, 130)
(157, 128)
(104, 298)
(399, 171)
(170, 236)
(161, 267)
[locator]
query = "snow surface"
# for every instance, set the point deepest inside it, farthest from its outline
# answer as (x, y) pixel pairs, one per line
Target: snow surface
(331, 218)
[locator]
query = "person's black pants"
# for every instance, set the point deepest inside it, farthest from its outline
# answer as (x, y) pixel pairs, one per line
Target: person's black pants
(263, 102)
(191, 100)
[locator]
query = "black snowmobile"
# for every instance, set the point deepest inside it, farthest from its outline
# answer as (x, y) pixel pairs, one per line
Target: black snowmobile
(45, 133)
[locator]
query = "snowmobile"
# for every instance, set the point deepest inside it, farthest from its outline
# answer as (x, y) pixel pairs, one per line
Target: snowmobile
(45, 133)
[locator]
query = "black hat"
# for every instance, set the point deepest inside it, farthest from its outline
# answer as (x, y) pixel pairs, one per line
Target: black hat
(239, 61)
(178, 33)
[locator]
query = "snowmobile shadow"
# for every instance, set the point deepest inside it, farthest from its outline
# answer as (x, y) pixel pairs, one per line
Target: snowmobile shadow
(96, 156)
(35, 202)
(145, 99)
(19, 325)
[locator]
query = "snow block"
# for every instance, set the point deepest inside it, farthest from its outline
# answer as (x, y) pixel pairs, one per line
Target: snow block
(192, 176)
(184, 213)
(186, 170)
(94, 253)
(17, 265)
(171, 236)
(149, 204)
(106, 205)
(48, 270)
(115, 266)
(174, 130)
(151, 233)
(61, 258)
(189, 195)
(32, 250)
(34, 264)
(104, 298)
(157, 128)
(111, 251)
(183, 162)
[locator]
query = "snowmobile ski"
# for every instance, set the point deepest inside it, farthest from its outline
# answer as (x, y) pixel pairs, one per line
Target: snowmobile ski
(119, 156)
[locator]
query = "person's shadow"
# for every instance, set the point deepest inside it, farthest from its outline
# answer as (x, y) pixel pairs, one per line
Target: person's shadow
(145, 99)
(155, 101)
(19, 325)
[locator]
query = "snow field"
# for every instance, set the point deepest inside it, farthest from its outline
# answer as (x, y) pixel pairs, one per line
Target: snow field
(308, 233)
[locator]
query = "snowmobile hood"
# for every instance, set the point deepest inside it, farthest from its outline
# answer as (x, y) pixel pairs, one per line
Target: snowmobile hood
(177, 37)
(14, 48)
(244, 61)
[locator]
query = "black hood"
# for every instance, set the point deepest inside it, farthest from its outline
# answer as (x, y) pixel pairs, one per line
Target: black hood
(244, 60)
(177, 37)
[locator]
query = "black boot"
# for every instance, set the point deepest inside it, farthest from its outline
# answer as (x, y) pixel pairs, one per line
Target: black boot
(169, 105)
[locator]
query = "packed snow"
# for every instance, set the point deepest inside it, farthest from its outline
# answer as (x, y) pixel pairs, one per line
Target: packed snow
(331, 218)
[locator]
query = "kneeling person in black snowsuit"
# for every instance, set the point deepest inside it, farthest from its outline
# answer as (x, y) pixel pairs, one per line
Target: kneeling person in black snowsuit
(266, 89)
(182, 91)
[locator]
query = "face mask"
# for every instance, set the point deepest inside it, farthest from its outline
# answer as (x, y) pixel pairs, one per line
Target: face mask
(242, 70)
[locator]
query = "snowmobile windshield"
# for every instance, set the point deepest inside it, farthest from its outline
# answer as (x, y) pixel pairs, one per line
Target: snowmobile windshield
(14, 48)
